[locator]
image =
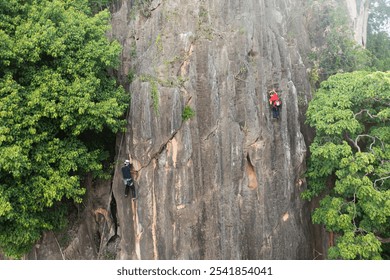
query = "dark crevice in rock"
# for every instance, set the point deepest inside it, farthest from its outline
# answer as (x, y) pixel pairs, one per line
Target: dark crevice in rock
(113, 210)
(97, 239)
(154, 8)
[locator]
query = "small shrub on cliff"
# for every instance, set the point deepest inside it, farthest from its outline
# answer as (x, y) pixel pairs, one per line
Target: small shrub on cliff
(188, 113)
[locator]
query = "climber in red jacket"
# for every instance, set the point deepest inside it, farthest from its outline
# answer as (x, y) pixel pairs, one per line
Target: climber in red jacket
(275, 103)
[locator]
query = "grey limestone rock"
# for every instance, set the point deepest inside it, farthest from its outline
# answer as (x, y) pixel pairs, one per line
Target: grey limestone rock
(226, 183)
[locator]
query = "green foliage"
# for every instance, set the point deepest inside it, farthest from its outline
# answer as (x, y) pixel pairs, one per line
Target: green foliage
(314, 77)
(378, 44)
(350, 162)
(99, 5)
(131, 75)
(378, 37)
(56, 102)
(158, 43)
(350, 247)
(379, 16)
(154, 93)
(338, 52)
(188, 113)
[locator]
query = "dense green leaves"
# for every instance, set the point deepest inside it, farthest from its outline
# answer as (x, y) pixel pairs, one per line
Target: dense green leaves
(351, 246)
(336, 50)
(57, 103)
(350, 162)
(378, 34)
(378, 44)
(379, 17)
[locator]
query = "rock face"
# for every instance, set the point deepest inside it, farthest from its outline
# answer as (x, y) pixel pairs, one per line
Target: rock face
(358, 12)
(224, 184)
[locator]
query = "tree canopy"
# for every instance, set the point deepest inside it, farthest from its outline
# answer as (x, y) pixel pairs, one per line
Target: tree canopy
(349, 166)
(336, 50)
(379, 17)
(378, 37)
(57, 103)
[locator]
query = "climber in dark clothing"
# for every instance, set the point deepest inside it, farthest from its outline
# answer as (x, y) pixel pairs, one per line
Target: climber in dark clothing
(275, 110)
(275, 103)
(128, 180)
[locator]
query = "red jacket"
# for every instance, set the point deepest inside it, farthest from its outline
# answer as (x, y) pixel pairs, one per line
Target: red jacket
(274, 97)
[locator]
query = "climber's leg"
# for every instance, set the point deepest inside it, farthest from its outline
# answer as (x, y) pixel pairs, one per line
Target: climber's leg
(274, 112)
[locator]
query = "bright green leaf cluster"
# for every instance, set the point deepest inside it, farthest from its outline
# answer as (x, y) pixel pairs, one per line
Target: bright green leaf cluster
(57, 106)
(188, 113)
(351, 246)
(350, 162)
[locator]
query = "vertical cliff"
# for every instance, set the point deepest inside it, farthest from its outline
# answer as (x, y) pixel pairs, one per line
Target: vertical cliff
(224, 184)
(358, 12)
